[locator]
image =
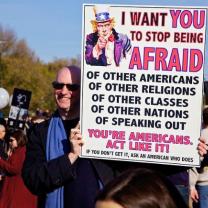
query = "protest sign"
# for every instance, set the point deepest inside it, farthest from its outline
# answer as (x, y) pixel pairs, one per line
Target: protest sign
(19, 108)
(142, 78)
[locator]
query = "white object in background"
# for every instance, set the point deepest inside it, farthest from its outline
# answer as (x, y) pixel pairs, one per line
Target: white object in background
(4, 98)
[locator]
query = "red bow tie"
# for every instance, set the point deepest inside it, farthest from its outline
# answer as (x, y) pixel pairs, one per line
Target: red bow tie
(111, 38)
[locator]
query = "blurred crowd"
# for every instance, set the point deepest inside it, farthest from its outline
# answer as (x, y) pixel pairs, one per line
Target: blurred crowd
(13, 192)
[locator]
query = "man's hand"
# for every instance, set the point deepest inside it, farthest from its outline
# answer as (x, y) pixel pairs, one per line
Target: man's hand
(101, 43)
(76, 142)
(97, 50)
(194, 194)
(202, 147)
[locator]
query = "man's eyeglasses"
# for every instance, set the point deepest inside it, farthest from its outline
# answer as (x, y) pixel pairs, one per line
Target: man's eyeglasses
(70, 87)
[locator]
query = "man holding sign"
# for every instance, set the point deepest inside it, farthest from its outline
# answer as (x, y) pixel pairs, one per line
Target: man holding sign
(52, 169)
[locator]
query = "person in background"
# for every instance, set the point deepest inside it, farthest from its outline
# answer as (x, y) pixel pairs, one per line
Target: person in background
(105, 46)
(140, 188)
(3, 146)
(3, 143)
(198, 177)
(14, 193)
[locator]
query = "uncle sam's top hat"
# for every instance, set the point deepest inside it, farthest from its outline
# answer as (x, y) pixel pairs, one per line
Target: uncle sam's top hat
(101, 13)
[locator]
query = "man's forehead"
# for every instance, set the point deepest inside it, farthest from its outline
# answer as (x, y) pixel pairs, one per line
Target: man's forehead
(68, 74)
(64, 72)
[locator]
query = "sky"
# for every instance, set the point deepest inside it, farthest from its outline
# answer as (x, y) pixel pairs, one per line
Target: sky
(53, 29)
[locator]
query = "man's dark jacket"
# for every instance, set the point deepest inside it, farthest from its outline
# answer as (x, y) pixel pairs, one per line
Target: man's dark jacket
(42, 177)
